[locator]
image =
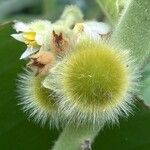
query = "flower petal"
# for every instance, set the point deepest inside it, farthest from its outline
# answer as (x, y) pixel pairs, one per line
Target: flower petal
(40, 26)
(28, 52)
(18, 37)
(96, 27)
(39, 39)
(20, 26)
(91, 29)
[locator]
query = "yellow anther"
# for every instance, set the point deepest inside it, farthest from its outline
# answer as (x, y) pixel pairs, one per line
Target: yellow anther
(30, 38)
(79, 27)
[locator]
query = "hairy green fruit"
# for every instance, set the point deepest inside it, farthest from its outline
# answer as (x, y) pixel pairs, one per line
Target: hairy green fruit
(94, 83)
(38, 101)
(95, 76)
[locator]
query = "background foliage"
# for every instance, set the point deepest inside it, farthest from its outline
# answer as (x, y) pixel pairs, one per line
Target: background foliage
(16, 131)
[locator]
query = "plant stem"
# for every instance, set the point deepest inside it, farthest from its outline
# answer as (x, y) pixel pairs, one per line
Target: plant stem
(132, 32)
(73, 138)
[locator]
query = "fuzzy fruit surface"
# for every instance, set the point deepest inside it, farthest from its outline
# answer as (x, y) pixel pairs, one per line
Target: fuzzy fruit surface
(44, 99)
(95, 75)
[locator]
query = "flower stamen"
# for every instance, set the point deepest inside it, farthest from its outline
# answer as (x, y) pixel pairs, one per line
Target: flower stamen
(60, 42)
(30, 38)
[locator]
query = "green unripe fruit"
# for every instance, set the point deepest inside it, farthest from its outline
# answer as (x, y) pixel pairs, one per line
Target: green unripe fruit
(95, 76)
(36, 100)
(94, 83)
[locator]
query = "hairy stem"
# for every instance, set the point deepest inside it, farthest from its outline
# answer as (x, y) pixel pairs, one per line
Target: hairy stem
(73, 138)
(132, 31)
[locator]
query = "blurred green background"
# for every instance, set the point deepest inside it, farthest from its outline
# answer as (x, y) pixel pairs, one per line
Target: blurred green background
(19, 133)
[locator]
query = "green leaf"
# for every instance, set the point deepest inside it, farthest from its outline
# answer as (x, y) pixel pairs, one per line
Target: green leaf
(131, 134)
(111, 8)
(145, 87)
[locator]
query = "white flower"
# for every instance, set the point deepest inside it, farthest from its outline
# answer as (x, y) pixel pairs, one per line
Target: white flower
(32, 34)
(92, 29)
